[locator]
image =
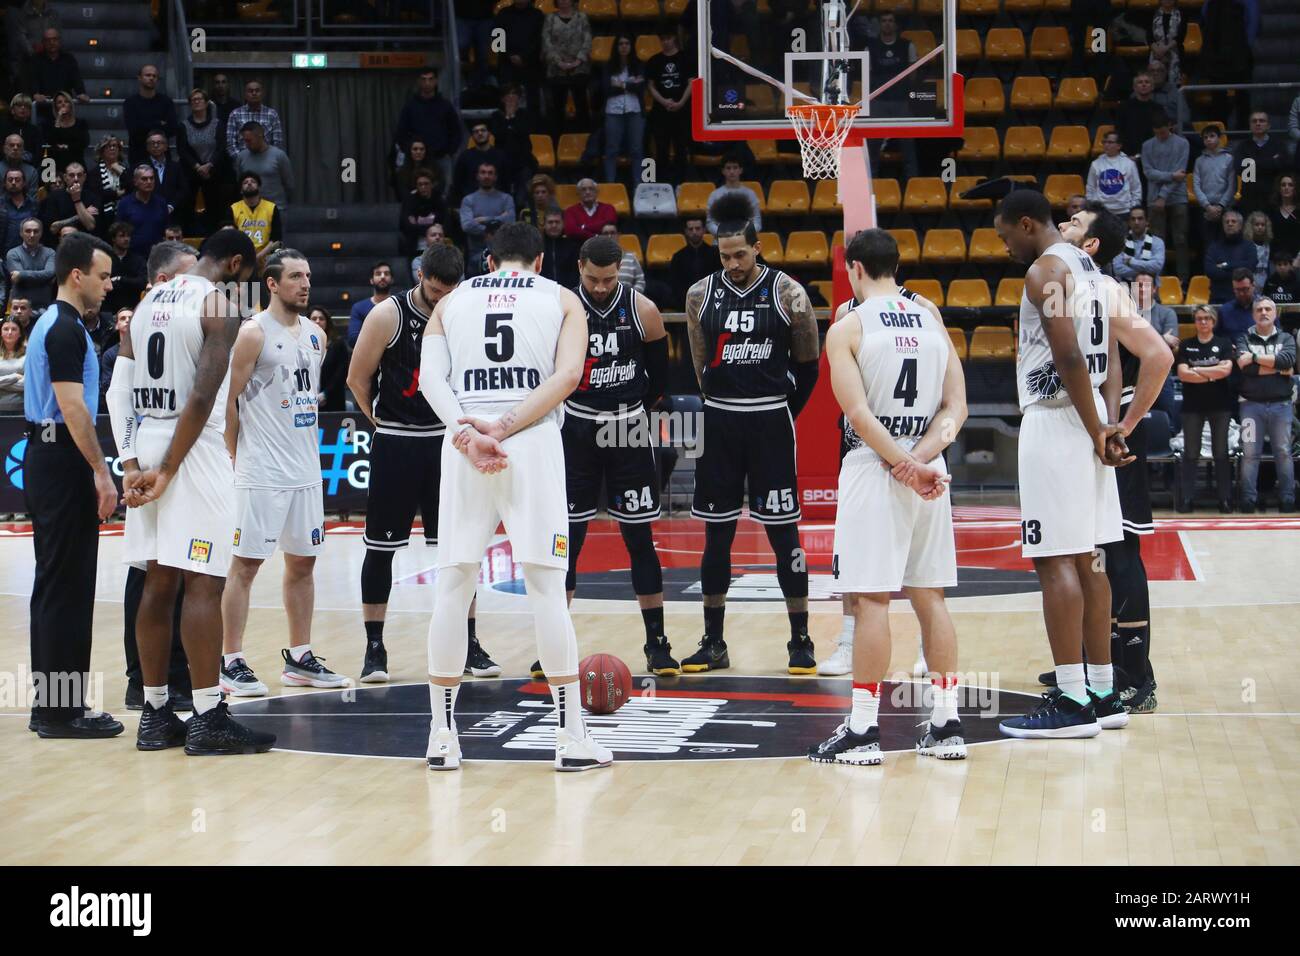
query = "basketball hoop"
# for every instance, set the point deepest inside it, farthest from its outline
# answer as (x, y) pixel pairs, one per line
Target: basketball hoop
(821, 129)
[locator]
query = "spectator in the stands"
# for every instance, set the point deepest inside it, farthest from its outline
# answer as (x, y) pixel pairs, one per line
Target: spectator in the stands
(257, 216)
(1074, 204)
(512, 128)
(1266, 356)
(1283, 213)
(29, 266)
(1214, 180)
(1113, 178)
(1166, 94)
(560, 253)
(1204, 365)
(481, 150)
(1282, 285)
(19, 120)
(269, 162)
(420, 209)
(222, 102)
(1144, 252)
(108, 359)
(484, 206)
(52, 70)
(253, 111)
(65, 231)
(172, 183)
(541, 197)
(623, 88)
(144, 111)
(585, 218)
(334, 366)
(17, 208)
(173, 233)
(629, 269)
(1226, 254)
(145, 210)
(1259, 235)
(1293, 125)
(109, 176)
(66, 136)
(692, 262)
(1237, 313)
(732, 171)
(414, 160)
(13, 160)
(1270, 157)
(1166, 35)
(1136, 117)
(1227, 56)
(520, 63)
(429, 117)
(1164, 162)
(1162, 318)
(381, 286)
(566, 48)
(129, 270)
(474, 30)
(13, 360)
(434, 235)
(205, 163)
(76, 204)
(669, 74)
(25, 26)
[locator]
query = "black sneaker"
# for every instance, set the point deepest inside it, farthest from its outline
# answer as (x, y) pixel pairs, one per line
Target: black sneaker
(134, 695)
(216, 733)
(478, 663)
(1225, 507)
(844, 746)
(946, 742)
(1185, 508)
(160, 729)
(1247, 508)
(659, 658)
(802, 660)
(1286, 507)
(375, 668)
(712, 656)
(535, 671)
(181, 700)
(1110, 711)
(1056, 715)
(1047, 678)
(90, 726)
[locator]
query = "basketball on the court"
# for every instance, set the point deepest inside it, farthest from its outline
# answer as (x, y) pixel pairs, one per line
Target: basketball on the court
(606, 683)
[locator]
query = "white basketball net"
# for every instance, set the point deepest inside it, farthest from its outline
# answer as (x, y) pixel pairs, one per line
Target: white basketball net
(821, 129)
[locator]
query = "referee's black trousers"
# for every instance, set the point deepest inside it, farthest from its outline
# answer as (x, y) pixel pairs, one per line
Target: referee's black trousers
(60, 491)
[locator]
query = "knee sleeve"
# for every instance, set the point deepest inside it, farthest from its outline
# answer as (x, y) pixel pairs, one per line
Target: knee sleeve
(791, 562)
(376, 576)
(577, 535)
(1130, 599)
(557, 643)
(715, 564)
(647, 573)
(449, 626)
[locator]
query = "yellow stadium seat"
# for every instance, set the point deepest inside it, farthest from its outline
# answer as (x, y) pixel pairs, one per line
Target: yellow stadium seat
(826, 289)
(929, 288)
(1097, 137)
(1193, 41)
(929, 8)
(1031, 93)
(807, 248)
(1198, 291)
(1186, 330)
(958, 339)
(1059, 188)
(986, 247)
(969, 294)
(1004, 45)
(616, 195)
(992, 343)
(648, 45)
(959, 186)
(661, 248)
(544, 150)
(826, 197)
(602, 48)
(675, 8)
(789, 196)
(772, 252)
(968, 45)
(984, 96)
(568, 151)
(1069, 144)
(757, 189)
(889, 197)
(566, 195)
(1077, 93)
(1171, 290)
(980, 145)
(838, 238)
(693, 198)
(765, 151)
(1049, 43)
(925, 194)
(632, 244)
(1009, 292)
(944, 247)
(761, 98)
(1023, 7)
(923, 40)
(977, 8)
(893, 6)
(909, 248)
(599, 9)
(1142, 4)
(1024, 143)
(1056, 6)
(638, 9)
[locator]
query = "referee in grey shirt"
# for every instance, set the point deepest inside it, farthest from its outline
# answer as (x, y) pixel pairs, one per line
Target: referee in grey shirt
(69, 491)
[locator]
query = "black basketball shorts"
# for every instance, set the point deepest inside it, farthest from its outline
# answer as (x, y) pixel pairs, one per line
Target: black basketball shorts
(750, 451)
(618, 454)
(405, 471)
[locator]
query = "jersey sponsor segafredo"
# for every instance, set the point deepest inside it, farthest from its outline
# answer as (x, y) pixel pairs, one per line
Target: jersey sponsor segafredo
(614, 376)
(1037, 379)
(398, 406)
(502, 329)
(748, 336)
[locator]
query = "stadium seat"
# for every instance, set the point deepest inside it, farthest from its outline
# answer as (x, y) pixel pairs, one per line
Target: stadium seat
(1098, 136)
(992, 343)
(959, 186)
(1198, 291)
(757, 189)
(675, 8)
(909, 247)
(1024, 144)
(1186, 330)
(807, 248)
(631, 243)
(568, 151)
(661, 248)
(543, 150)
(968, 45)
(599, 9)
(1069, 144)
(1057, 6)
(1031, 94)
(929, 8)
(980, 143)
(616, 195)
(1077, 93)
(958, 339)
(825, 288)
(647, 46)
(1023, 7)
(986, 247)
(1009, 292)
(984, 96)
(789, 197)
(771, 248)
(693, 198)
(1192, 42)
(765, 151)
(1171, 290)
(925, 194)
(638, 9)
(761, 98)
(566, 195)
(889, 197)
(923, 40)
(1059, 188)
(826, 197)
(602, 48)
(1049, 43)
(837, 238)
(654, 201)
(944, 247)
(1004, 45)
(969, 294)
(977, 8)
(931, 289)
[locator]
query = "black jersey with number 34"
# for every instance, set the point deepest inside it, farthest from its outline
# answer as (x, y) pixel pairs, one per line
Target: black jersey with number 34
(748, 334)
(399, 408)
(614, 375)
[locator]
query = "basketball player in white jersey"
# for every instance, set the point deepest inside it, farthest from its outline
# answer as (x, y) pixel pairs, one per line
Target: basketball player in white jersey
(271, 433)
(901, 386)
(179, 490)
(500, 354)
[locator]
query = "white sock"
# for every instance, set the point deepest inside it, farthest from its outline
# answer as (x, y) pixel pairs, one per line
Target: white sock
(1101, 678)
(945, 702)
(205, 698)
(1069, 678)
(568, 708)
(442, 703)
(155, 697)
(299, 652)
(230, 658)
(847, 623)
(866, 709)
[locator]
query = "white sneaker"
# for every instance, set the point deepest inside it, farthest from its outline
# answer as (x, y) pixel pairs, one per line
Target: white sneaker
(238, 680)
(579, 753)
(443, 752)
(920, 668)
(839, 663)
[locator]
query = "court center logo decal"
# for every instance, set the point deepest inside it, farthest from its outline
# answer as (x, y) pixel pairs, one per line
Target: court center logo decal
(709, 717)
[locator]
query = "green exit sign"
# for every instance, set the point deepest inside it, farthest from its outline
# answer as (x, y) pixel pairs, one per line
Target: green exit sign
(310, 61)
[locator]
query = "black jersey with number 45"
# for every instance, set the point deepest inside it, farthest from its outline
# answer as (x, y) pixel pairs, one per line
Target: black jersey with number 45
(614, 375)
(399, 408)
(748, 334)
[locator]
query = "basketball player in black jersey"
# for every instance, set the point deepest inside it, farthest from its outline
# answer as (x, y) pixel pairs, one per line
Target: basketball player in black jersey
(406, 450)
(607, 437)
(755, 349)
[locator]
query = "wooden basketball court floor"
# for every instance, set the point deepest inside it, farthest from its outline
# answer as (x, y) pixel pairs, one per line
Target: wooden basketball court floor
(1212, 778)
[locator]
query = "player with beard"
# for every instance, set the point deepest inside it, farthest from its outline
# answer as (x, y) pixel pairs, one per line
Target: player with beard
(257, 217)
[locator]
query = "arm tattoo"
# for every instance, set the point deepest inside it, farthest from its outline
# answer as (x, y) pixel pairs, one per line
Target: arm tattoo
(804, 346)
(695, 330)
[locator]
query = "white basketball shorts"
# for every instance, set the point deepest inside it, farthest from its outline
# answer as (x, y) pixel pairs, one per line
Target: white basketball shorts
(292, 518)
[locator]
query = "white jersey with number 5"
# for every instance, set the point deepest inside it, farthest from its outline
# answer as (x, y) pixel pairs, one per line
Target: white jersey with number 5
(903, 356)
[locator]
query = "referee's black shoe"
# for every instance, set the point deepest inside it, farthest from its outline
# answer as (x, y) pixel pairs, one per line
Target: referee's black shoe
(375, 668)
(87, 727)
(712, 656)
(160, 729)
(216, 733)
(535, 671)
(478, 663)
(1047, 678)
(659, 657)
(802, 658)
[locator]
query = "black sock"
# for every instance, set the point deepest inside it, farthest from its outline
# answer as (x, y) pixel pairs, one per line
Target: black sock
(1137, 653)
(653, 617)
(472, 636)
(1117, 653)
(798, 624)
(713, 622)
(374, 630)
